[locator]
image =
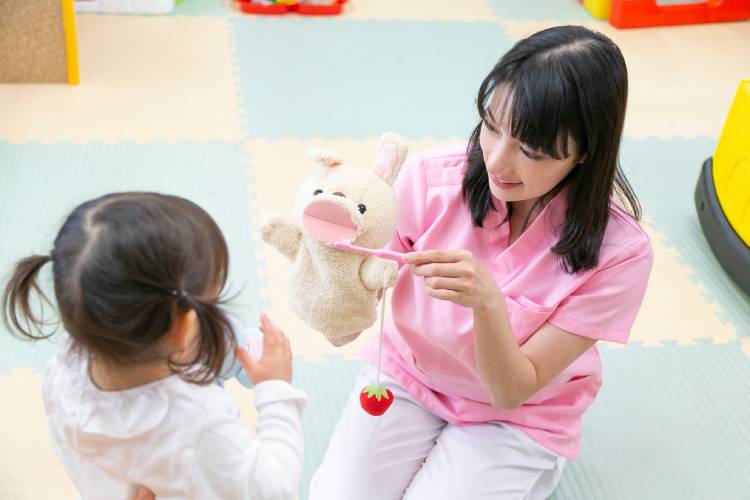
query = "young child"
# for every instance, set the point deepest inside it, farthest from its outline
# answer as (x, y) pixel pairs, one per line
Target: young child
(524, 251)
(130, 395)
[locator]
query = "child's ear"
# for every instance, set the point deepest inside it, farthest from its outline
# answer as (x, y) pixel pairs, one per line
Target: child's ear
(389, 157)
(179, 333)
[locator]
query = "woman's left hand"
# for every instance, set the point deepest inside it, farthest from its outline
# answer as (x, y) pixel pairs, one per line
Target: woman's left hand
(456, 276)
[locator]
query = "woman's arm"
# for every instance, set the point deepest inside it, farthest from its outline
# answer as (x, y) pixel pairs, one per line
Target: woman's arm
(511, 373)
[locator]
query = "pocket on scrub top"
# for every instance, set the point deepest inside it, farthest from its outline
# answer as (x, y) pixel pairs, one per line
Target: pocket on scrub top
(526, 316)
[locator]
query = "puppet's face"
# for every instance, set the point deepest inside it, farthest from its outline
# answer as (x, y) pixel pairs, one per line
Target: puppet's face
(347, 203)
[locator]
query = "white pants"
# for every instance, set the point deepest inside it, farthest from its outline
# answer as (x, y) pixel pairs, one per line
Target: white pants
(410, 453)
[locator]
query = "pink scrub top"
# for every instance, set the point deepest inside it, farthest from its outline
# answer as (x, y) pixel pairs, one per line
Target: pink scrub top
(428, 344)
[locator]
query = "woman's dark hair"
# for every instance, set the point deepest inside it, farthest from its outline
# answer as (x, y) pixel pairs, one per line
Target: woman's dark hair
(125, 265)
(563, 82)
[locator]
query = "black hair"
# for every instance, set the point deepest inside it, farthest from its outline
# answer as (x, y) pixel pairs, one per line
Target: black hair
(563, 82)
(125, 266)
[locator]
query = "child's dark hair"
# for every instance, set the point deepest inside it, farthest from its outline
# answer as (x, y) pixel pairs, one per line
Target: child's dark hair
(125, 265)
(562, 82)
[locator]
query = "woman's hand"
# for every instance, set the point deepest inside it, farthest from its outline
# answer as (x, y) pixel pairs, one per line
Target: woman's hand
(456, 276)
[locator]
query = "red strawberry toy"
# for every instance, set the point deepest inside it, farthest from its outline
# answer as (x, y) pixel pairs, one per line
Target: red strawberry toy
(375, 400)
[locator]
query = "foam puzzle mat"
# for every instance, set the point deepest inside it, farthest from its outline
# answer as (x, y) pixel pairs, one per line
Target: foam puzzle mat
(219, 107)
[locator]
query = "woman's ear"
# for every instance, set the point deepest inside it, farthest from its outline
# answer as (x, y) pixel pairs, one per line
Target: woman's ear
(582, 158)
(179, 333)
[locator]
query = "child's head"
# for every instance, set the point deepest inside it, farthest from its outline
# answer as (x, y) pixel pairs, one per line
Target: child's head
(127, 268)
(552, 113)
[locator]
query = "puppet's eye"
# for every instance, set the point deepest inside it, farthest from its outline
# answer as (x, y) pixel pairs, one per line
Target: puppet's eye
(317, 192)
(362, 208)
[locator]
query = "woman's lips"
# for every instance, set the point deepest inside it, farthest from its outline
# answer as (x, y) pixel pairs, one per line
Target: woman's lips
(502, 184)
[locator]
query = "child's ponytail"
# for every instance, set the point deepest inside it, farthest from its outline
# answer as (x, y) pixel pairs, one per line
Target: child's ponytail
(18, 315)
(216, 340)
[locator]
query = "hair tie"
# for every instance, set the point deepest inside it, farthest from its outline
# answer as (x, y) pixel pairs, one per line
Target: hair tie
(181, 293)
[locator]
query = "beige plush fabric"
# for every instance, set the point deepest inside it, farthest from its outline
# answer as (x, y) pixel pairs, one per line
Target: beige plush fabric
(335, 291)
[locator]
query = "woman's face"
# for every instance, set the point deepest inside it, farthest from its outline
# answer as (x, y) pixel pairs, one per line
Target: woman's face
(517, 172)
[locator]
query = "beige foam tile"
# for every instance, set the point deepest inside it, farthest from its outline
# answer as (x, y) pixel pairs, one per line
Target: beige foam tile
(29, 469)
(277, 170)
(674, 308)
(682, 79)
(142, 79)
(421, 10)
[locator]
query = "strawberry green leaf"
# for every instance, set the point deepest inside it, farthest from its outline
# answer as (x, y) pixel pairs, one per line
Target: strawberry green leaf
(376, 391)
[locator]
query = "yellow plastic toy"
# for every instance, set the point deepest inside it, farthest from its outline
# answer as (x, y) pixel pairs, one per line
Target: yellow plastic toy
(71, 44)
(732, 164)
(600, 9)
(723, 193)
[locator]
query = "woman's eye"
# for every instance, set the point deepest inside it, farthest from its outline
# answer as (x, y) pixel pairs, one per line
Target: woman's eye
(317, 192)
(531, 156)
(362, 208)
(489, 127)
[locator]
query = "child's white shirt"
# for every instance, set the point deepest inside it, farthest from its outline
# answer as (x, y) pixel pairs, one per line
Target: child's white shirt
(178, 439)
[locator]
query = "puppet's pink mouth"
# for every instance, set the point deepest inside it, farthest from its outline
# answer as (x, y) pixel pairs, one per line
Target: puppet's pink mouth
(328, 221)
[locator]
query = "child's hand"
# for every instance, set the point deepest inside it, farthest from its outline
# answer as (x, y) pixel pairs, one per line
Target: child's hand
(276, 361)
(144, 494)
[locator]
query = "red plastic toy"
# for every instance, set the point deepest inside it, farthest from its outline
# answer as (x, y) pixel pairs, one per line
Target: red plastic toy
(277, 9)
(645, 13)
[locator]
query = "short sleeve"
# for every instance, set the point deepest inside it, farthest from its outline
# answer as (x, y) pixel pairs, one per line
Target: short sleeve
(605, 306)
(411, 193)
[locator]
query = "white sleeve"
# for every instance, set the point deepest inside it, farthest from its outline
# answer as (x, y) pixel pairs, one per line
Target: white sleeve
(229, 464)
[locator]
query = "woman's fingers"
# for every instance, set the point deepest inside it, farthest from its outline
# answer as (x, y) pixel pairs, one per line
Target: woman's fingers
(442, 294)
(441, 283)
(453, 270)
(429, 256)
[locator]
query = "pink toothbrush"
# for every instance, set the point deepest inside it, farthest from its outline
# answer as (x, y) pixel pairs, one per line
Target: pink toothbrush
(377, 252)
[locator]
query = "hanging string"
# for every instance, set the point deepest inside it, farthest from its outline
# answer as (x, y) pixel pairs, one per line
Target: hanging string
(380, 347)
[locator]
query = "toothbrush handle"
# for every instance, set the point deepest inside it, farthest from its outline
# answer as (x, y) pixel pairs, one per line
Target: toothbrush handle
(381, 252)
(389, 255)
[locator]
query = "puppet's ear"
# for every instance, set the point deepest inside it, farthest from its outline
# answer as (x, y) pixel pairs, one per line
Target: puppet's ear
(390, 156)
(325, 157)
